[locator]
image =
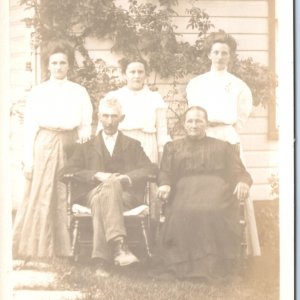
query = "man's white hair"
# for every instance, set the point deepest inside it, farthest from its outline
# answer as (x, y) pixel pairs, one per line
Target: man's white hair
(110, 102)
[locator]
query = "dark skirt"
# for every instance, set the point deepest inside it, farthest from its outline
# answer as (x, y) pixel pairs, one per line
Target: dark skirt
(40, 227)
(201, 236)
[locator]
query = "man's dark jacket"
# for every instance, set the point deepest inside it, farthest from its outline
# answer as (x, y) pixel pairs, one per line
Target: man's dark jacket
(89, 158)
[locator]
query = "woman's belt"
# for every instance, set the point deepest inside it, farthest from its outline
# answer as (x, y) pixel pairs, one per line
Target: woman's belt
(216, 124)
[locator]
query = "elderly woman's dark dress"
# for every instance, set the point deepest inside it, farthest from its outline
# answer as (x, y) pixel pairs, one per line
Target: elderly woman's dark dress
(201, 236)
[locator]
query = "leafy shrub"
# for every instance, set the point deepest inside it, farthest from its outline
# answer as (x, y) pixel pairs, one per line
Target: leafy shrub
(274, 183)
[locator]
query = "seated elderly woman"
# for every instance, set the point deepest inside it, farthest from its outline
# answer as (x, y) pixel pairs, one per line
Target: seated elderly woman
(203, 180)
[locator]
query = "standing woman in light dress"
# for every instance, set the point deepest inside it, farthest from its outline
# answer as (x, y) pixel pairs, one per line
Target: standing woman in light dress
(58, 113)
(227, 100)
(145, 111)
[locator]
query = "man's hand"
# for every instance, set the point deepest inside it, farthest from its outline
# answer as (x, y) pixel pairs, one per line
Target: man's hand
(241, 191)
(102, 176)
(124, 179)
(163, 192)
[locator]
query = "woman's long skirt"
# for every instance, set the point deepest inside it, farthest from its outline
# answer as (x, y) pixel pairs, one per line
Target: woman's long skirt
(40, 227)
(201, 236)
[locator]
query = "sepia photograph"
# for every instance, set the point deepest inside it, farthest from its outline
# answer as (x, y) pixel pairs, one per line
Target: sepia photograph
(147, 150)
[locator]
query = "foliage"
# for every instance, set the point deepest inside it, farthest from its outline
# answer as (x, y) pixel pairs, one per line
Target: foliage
(177, 105)
(145, 30)
(274, 183)
(98, 79)
(261, 81)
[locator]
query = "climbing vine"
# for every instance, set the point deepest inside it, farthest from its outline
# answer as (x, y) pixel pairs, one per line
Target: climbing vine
(145, 30)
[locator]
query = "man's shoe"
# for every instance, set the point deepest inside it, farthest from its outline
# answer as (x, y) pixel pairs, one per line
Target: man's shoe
(102, 272)
(101, 268)
(122, 255)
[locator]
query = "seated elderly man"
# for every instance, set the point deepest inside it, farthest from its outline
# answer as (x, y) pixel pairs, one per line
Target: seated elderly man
(203, 179)
(111, 170)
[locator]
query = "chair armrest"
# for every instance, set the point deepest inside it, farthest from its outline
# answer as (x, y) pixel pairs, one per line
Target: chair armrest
(151, 178)
(68, 175)
(67, 178)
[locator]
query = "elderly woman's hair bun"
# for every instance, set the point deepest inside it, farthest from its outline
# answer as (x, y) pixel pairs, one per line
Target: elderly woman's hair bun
(220, 37)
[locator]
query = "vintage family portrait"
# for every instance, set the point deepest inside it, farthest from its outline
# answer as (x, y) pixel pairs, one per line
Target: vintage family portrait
(150, 150)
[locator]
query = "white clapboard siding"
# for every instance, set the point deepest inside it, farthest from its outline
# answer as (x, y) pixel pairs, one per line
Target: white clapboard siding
(246, 42)
(261, 192)
(223, 8)
(258, 56)
(229, 24)
(261, 175)
(256, 125)
(261, 158)
(257, 8)
(257, 142)
(18, 46)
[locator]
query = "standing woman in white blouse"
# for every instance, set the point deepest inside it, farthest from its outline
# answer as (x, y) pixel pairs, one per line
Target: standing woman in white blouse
(226, 98)
(58, 113)
(145, 111)
(228, 102)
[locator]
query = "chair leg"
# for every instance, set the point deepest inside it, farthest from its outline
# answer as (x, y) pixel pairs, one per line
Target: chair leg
(145, 235)
(75, 239)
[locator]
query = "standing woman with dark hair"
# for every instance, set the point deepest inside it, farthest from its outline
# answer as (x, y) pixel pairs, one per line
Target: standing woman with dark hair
(145, 111)
(58, 113)
(228, 102)
(226, 98)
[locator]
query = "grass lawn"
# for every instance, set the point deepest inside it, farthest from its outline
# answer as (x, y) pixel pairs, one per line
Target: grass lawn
(259, 282)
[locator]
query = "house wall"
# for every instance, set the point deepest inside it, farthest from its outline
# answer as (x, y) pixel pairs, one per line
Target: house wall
(20, 51)
(246, 20)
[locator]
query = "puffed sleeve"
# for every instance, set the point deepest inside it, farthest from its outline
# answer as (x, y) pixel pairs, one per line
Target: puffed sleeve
(190, 93)
(85, 127)
(161, 125)
(236, 169)
(31, 127)
(166, 166)
(244, 106)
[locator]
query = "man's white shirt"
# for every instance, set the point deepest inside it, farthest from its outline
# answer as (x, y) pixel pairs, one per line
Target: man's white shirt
(110, 141)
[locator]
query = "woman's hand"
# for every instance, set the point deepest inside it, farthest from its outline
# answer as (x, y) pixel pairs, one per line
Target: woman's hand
(163, 192)
(27, 171)
(83, 138)
(241, 191)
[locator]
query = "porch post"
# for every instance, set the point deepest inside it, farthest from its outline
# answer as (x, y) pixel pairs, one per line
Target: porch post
(285, 66)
